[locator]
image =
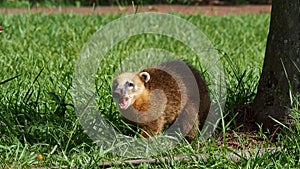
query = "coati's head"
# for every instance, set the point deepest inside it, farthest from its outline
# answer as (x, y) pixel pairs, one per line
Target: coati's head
(129, 86)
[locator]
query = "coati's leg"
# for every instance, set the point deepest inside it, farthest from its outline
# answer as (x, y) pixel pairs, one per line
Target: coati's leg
(193, 132)
(188, 122)
(153, 128)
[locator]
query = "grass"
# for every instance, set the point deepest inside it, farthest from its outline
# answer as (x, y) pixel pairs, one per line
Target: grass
(38, 125)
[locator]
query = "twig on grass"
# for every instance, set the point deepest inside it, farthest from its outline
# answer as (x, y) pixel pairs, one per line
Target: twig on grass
(232, 155)
(7, 80)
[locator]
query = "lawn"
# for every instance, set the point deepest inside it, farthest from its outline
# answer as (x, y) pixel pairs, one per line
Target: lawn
(38, 124)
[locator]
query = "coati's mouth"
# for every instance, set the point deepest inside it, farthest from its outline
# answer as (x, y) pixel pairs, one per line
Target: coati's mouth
(124, 103)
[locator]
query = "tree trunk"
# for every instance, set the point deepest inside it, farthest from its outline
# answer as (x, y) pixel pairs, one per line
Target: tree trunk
(280, 74)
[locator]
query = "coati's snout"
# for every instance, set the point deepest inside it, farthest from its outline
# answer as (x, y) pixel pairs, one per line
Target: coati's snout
(121, 95)
(117, 93)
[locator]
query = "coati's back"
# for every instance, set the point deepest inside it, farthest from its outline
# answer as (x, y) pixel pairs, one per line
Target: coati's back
(177, 67)
(171, 86)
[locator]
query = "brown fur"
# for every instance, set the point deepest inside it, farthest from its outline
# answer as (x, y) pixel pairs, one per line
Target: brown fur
(166, 99)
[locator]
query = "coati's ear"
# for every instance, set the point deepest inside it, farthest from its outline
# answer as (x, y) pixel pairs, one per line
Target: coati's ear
(145, 76)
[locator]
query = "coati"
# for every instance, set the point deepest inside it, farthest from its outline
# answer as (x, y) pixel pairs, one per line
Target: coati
(172, 93)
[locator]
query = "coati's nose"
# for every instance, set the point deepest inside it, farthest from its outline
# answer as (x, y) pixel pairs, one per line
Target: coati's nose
(117, 93)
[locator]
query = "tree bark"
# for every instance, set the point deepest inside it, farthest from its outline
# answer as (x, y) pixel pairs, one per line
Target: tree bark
(280, 74)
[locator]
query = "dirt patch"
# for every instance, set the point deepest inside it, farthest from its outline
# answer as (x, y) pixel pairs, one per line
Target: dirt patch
(206, 10)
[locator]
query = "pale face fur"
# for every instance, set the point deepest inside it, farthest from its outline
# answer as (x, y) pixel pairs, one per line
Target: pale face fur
(127, 87)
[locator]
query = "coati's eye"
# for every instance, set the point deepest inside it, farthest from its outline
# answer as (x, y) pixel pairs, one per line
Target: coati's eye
(130, 84)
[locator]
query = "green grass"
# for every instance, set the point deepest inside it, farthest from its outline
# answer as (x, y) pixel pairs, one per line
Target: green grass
(36, 108)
